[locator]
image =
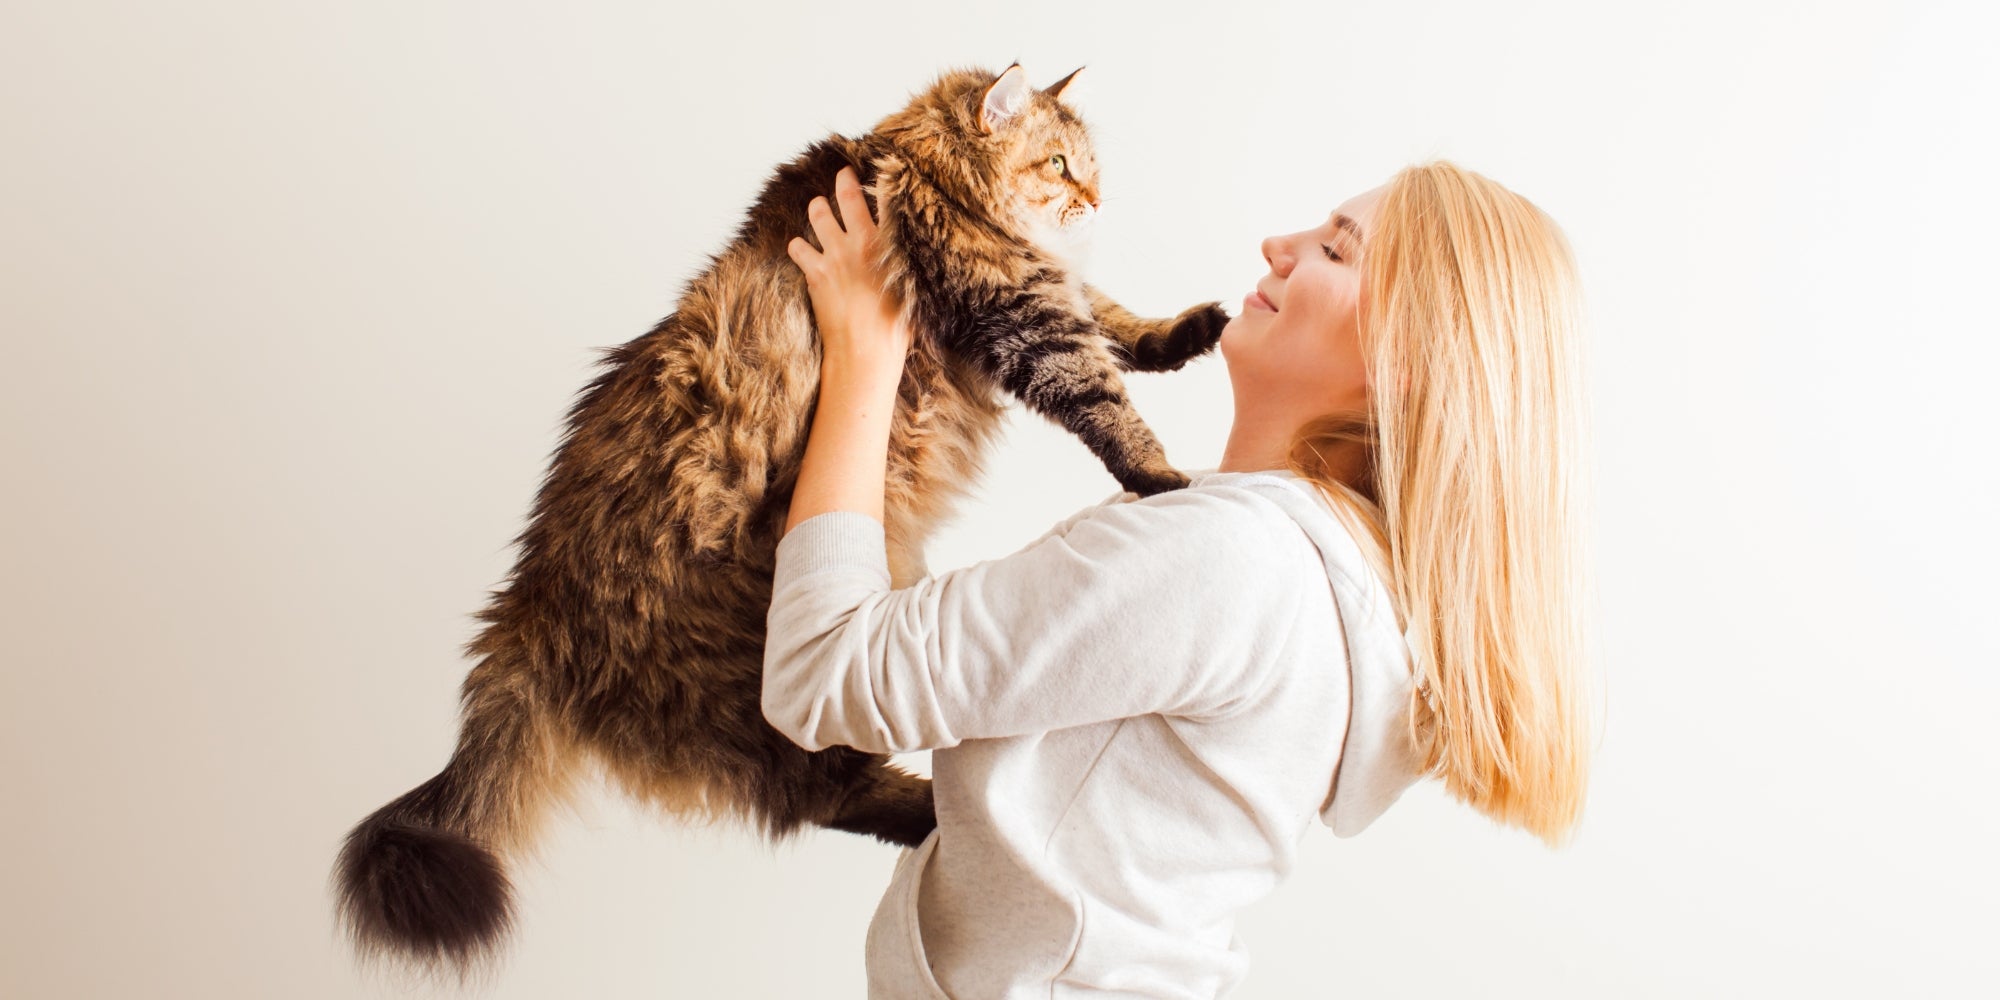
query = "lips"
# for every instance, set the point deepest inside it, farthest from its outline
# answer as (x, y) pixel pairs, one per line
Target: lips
(1258, 300)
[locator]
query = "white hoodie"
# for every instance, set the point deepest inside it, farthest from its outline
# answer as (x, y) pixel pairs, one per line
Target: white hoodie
(1136, 719)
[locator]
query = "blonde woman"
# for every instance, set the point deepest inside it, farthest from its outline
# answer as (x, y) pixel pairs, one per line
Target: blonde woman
(1137, 717)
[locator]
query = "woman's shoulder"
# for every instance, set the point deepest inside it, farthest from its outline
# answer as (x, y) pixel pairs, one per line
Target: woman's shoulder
(1216, 513)
(1215, 551)
(1229, 497)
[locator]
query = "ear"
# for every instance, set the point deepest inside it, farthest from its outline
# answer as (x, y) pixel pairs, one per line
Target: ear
(1005, 98)
(1062, 86)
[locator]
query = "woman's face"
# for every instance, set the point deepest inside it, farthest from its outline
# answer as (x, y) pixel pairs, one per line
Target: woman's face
(1295, 347)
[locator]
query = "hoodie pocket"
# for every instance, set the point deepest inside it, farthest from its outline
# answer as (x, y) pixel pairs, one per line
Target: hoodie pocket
(898, 968)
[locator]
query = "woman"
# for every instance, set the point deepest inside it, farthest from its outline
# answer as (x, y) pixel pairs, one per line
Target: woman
(1137, 717)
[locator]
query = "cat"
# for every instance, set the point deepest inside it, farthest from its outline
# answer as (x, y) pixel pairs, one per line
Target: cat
(630, 630)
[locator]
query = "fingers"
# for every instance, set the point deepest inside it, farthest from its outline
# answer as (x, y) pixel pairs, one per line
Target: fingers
(853, 205)
(805, 257)
(824, 225)
(854, 220)
(840, 249)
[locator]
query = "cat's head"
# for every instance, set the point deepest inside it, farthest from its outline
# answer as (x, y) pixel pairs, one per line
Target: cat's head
(1023, 154)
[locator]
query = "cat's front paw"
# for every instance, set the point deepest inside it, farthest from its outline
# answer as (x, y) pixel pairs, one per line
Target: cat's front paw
(1155, 479)
(1200, 328)
(1194, 333)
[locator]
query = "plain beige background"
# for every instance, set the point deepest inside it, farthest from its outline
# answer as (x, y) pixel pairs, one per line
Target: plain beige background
(295, 295)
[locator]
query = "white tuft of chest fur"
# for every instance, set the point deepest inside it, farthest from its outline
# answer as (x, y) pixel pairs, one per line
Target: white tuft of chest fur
(1068, 244)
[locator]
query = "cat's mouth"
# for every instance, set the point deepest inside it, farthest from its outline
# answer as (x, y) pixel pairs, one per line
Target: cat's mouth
(1077, 217)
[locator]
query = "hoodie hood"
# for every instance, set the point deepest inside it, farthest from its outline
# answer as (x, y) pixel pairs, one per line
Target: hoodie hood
(1377, 758)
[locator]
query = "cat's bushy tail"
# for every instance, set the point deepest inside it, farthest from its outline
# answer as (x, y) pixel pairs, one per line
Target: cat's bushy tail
(421, 882)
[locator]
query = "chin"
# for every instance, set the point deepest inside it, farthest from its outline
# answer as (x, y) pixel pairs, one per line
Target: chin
(1068, 244)
(1233, 333)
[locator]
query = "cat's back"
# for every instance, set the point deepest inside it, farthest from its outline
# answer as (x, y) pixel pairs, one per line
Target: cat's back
(739, 347)
(779, 212)
(745, 322)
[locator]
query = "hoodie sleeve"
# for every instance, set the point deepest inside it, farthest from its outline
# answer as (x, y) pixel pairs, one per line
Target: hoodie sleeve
(1163, 605)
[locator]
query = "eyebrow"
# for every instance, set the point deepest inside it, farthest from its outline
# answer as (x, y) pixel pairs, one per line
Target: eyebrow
(1353, 228)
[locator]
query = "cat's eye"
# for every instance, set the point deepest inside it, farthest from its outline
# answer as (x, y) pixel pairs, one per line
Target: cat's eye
(1330, 254)
(1060, 163)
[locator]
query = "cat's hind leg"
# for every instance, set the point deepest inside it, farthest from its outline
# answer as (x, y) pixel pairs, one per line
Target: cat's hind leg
(704, 750)
(840, 788)
(880, 800)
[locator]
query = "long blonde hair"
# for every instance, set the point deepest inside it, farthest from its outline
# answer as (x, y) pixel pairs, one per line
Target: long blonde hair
(1472, 504)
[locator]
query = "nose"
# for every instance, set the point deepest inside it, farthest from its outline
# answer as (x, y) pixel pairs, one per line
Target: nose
(1277, 254)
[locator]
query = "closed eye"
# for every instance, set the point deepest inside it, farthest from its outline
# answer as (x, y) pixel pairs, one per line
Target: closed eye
(1330, 254)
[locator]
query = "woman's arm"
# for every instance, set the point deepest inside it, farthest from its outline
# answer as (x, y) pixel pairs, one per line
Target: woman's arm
(1174, 605)
(863, 341)
(1127, 609)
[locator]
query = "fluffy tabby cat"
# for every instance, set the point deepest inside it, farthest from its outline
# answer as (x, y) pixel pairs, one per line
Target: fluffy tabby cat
(631, 629)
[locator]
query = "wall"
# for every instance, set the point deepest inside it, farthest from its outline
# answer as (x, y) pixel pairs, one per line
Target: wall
(296, 295)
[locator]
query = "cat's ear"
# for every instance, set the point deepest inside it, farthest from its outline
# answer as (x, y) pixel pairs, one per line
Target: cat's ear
(1062, 86)
(1005, 98)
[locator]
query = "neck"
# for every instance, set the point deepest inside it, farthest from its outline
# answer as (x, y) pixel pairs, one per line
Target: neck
(1256, 444)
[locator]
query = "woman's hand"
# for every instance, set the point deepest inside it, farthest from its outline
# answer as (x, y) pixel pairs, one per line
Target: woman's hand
(861, 327)
(863, 341)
